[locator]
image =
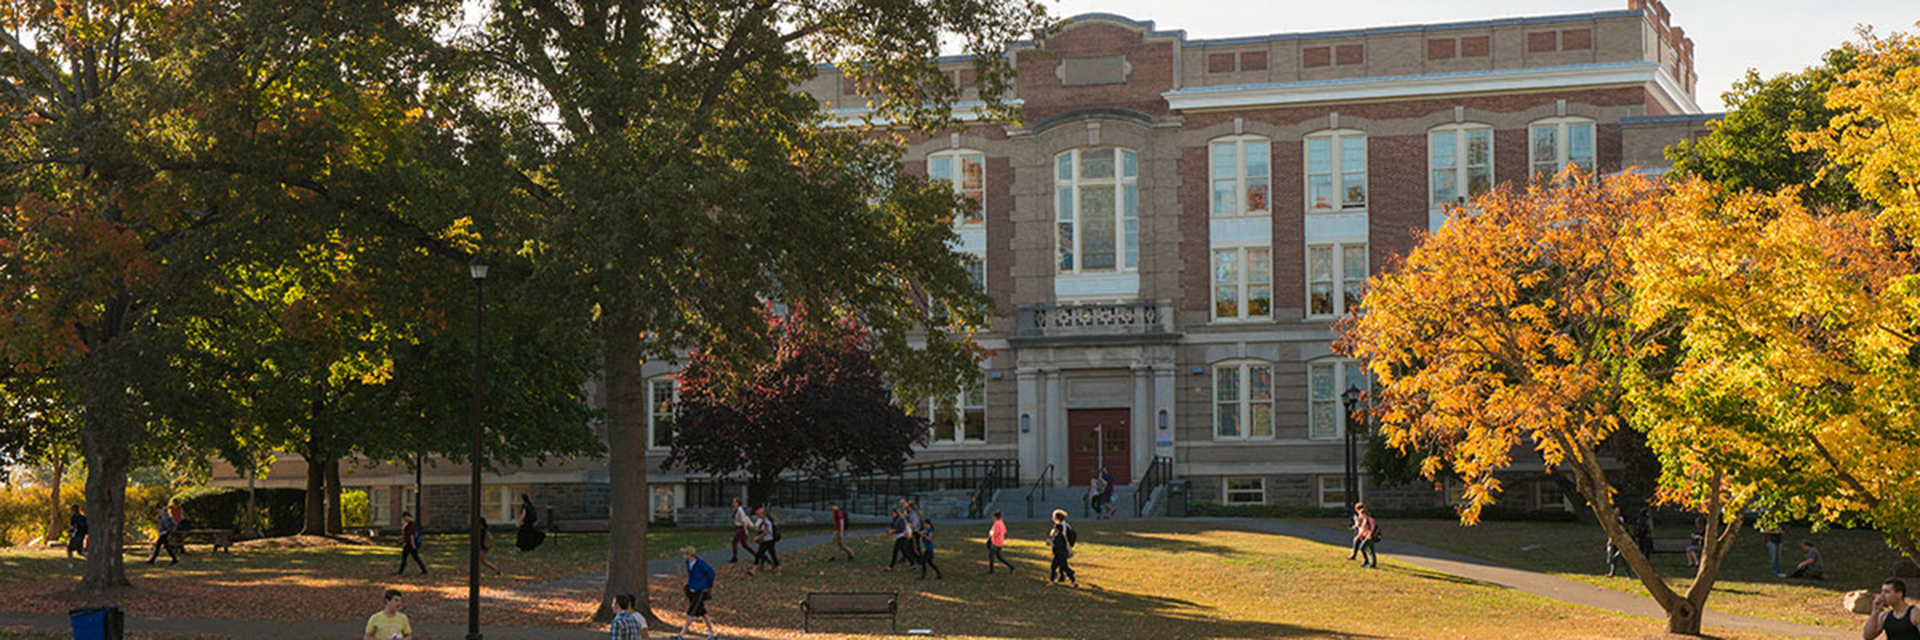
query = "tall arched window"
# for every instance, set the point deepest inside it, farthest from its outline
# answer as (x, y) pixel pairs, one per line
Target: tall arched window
(1097, 210)
(1336, 171)
(1241, 172)
(1553, 143)
(966, 171)
(663, 395)
(1459, 163)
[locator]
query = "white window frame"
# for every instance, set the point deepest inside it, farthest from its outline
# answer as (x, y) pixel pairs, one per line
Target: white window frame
(501, 511)
(956, 178)
(380, 506)
(1240, 175)
(409, 496)
(971, 399)
(1560, 131)
(1126, 209)
(1243, 284)
(1320, 487)
(1227, 491)
(653, 413)
(1462, 134)
(1337, 174)
(1243, 403)
(1345, 373)
(1342, 281)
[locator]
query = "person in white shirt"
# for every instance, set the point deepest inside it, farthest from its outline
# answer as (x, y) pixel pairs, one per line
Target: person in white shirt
(742, 524)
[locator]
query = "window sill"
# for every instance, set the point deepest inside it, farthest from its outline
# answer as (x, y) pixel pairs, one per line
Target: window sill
(1240, 321)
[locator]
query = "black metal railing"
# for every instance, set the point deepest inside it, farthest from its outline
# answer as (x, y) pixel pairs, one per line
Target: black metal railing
(991, 485)
(1039, 486)
(865, 493)
(1158, 473)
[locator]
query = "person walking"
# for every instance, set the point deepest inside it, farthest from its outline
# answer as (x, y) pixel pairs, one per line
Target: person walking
(1643, 532)
(742, 525)
(1892, 615)
(996, 543)
(1106, 492)
(897, 527)
(1775, 537)
(626, 624)
(926, 552)
(388, 623)
(699, 589)
(1696, 542)
(179, 515)
(1353, 525)
(486, 547)
(839, 531)
(1062, 538)
(1614, 557)
(1369, 536)
(530, 536)
(163, 540)
(410, 540)
(76, 532)
(769, 552)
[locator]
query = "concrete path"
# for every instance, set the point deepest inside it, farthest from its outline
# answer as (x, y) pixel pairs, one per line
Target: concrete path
(1539, 584)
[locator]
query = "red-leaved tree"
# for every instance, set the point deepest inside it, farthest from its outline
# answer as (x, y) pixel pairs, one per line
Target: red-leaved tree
(818, 406)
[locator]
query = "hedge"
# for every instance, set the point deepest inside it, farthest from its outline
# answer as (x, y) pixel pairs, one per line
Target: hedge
(225, 508)
(1493, 514)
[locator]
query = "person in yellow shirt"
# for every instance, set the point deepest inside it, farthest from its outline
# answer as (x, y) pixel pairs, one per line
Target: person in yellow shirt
(389, 623)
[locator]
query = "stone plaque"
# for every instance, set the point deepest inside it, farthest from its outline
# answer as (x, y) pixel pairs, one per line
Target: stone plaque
(1080, 72)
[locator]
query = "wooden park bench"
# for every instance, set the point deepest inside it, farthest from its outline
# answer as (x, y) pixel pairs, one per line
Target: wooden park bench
(871, 604)
(1674, 546)
(220, 539)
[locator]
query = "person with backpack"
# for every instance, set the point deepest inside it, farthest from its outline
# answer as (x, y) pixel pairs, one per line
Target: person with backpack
(168, 528)
(410, 540)
(1369, 535)
(997, 543)
(1062, 538)
(926, 552)
(768, 552)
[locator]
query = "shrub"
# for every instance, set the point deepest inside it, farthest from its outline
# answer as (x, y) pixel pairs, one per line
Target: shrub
(353, 509)
(282, 510)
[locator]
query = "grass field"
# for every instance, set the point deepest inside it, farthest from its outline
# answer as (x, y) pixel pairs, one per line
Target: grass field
(1161, 580)
(1854, 559)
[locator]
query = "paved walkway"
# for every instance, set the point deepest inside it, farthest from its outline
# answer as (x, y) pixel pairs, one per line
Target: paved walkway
(1539, 584)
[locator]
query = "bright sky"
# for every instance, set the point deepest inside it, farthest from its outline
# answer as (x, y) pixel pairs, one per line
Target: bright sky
(1729, 36)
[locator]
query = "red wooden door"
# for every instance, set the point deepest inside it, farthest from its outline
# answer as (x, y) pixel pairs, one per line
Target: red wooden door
(1087, 450)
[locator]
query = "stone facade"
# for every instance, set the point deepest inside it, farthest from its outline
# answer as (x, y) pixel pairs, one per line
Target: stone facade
(1124, 359)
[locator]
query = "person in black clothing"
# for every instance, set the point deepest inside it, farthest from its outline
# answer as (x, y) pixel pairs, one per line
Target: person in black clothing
(768, 553)
(410, 544)
(486, 547)
(1614, 557)
(164, 540)
(1061, 538)
(902, 540)
(530, 536)
(1892, 614)
(926, 552)
(1643, 532)
(76, 532)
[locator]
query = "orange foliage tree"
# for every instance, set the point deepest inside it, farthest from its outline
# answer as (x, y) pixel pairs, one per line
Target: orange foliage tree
(1508, 329)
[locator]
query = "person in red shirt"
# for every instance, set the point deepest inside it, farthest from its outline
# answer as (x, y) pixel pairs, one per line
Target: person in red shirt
(997, 541)
(410, 544)
(839, 531)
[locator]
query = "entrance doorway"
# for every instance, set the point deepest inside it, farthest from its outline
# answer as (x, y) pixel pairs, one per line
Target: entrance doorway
(1096, 437)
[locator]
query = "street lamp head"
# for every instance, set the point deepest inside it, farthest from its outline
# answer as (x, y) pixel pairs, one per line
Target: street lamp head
(478, 267)
(1352, 396)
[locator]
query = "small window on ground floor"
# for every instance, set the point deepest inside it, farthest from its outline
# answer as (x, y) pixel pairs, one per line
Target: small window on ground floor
(1547, 494)
(1333, 491)
(1246, 491)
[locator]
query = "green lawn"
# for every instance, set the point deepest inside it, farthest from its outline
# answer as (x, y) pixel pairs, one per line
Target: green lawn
(1855, 560)
(1160, 580)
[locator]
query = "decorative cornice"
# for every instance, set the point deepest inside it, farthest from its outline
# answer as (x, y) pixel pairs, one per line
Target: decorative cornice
(1436, 84)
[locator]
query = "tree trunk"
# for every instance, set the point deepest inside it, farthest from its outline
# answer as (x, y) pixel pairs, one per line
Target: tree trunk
(335, 512)
(626, 465)
(314, 511)
(54, 523)
(251, 523)
(1683, 614)
(760, 490)
(105, 445)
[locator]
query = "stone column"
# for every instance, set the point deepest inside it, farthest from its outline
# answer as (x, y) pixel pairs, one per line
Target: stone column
(1140, 436)
(1056, 425)
(1030, 422)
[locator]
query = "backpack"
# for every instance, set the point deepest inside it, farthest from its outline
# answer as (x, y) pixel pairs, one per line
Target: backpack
(776, 530)
(1073, 536)
(1376, 530)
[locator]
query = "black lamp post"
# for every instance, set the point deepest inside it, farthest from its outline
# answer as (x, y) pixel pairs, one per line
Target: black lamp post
(1351, 398)
(478, 269)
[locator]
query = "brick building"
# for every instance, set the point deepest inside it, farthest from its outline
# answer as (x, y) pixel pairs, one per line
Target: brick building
(1173, 226)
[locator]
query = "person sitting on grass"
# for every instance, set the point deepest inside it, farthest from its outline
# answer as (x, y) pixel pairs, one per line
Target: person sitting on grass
(389, 623)
(1891, 614)
(699, 588)
(627, 625)
(1813, 568)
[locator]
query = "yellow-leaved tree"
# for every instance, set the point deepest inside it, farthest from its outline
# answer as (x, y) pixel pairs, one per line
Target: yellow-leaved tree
(1509, 329)
(1801, 365)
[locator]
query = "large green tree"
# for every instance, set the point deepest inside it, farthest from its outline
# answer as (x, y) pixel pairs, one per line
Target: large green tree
(1757, 145)
(677, 179)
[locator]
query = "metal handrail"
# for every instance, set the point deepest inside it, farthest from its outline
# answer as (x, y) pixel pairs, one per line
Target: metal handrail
(1039, 485)
(1159, 472)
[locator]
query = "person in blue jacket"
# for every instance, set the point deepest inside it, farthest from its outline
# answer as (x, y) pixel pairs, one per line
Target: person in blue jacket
(699, 588)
